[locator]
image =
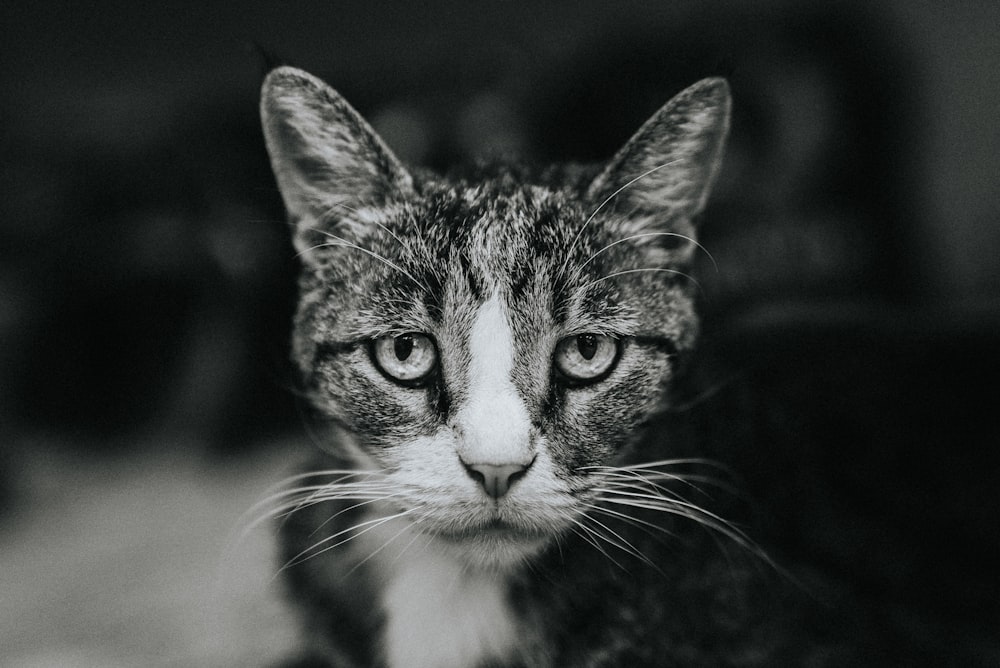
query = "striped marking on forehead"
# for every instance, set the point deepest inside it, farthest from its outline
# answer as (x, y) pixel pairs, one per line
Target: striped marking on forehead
(501, 238)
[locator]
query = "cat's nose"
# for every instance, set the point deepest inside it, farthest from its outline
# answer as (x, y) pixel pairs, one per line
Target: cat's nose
(497, 479)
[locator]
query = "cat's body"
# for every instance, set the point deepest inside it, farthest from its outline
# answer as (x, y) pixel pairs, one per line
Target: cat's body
(491, 351)
(701, 602)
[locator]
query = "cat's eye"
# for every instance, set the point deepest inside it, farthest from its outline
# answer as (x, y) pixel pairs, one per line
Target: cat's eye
(407, 358)
(586, 358)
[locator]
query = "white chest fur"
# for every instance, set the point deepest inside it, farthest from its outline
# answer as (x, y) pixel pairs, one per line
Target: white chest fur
(441, 615)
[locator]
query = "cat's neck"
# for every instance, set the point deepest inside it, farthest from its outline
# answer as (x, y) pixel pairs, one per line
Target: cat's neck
(439, 612)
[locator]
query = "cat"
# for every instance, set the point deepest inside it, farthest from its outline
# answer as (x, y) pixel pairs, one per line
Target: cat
(492, 352)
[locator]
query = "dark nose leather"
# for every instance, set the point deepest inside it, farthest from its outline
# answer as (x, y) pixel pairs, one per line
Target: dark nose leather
(496, 479)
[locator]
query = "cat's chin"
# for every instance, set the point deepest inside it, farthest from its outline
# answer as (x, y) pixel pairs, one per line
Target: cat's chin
(492, 547)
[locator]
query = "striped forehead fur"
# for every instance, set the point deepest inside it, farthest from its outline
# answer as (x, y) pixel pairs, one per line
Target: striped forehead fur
(495, 235)
(435, 260)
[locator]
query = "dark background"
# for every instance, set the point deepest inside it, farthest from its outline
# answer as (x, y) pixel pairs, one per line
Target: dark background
(147, 281)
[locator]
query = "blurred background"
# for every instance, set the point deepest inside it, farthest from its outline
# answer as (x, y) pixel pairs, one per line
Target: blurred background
(147, 280)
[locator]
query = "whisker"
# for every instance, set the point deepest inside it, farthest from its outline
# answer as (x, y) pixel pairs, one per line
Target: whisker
(416, 536)
(361, 528)
(289, 499)
(653, 234)
(696, 514)
(634, 486)
(645, 525)
(308, 490)
(619, 541)
(337, 205)
(675, 272)
(362, 502)
(342, 473)
(390, 233)
(649, 480)
(279, 502)
(683, 461)
(649, 472)
(576, 524)
(600, 206)
(344, 243)
(285, 510)
(706, 394)
(335, 485)
(593, 538)
(670, 502)
(384, 545)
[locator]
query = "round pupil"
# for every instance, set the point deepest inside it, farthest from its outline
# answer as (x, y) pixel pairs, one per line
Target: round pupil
(587, 345)
(403, 346)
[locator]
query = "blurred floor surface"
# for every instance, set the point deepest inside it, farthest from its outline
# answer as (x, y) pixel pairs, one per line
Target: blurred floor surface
(113, 563)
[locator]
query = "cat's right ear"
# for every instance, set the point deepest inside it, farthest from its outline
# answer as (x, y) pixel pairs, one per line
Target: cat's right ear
(661, 178)
(327, 160)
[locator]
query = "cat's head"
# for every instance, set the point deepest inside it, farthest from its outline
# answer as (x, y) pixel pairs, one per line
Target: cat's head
(485, 342)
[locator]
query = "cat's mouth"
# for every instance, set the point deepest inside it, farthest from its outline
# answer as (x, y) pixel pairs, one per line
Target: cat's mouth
(494, 544)
(493, 530)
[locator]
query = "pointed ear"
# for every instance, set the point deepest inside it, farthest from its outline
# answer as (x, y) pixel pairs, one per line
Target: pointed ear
(327, 160)
(661, 178)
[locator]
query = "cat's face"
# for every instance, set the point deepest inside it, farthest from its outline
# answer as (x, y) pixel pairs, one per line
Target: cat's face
(486, 344)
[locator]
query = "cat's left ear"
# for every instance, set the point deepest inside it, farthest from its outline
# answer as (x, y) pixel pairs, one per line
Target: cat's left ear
(661, 178)
(327, 160)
